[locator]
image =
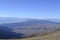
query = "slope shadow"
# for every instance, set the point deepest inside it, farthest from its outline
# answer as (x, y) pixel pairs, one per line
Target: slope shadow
(6, 33)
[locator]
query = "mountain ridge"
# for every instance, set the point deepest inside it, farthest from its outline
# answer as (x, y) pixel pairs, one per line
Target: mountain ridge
(32, 26)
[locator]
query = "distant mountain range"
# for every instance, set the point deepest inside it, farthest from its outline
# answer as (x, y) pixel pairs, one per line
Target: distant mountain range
(25, 27)
(55, 20)
(11, 20)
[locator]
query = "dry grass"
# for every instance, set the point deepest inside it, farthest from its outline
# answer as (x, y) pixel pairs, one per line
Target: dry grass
(52, 36)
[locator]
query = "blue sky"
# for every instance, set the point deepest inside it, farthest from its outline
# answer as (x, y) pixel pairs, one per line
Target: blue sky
(37, 9)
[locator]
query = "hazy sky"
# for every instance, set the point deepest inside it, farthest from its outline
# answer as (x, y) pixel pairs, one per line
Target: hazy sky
(38, 9)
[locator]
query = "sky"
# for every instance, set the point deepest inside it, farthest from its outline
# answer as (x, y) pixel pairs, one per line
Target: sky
(37, 9)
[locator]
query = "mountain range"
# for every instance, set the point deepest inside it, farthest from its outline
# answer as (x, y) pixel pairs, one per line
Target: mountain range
(20, 27)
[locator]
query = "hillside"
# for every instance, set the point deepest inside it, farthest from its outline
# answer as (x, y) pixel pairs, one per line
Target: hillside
(31, 27)
(28, 28)
(6, 33)
(52, 36)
